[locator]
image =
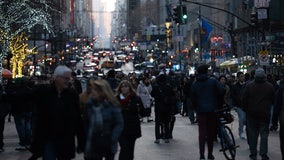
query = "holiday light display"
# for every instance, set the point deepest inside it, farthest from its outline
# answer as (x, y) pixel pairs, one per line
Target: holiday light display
(17, 16)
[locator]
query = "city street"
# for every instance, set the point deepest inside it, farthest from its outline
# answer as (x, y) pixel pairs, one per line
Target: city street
(184, 145)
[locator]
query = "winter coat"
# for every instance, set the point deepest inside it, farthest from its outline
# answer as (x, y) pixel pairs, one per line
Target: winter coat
(112, 124)
(132, 110)
(207, 94)
(144, 92)
(278, 111)
(165, 99)
(236, 94)
(56, 118)
(257, 99)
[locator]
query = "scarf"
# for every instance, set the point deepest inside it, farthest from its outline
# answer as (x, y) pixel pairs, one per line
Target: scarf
(124, 101)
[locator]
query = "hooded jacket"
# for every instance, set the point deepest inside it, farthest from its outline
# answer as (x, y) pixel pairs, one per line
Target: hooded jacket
(206, 93)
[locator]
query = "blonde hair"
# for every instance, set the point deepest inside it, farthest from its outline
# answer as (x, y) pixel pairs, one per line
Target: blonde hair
(105, 91)
(131, 88)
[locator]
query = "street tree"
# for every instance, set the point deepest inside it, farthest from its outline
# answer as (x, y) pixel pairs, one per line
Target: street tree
(19, 50)
(17, 16)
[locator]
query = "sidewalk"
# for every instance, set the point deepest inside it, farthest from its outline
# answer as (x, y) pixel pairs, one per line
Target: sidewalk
(184, 146)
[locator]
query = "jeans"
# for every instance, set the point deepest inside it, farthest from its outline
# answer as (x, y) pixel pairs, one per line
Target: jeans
(23, 126)
(255, 127)
(242, 119)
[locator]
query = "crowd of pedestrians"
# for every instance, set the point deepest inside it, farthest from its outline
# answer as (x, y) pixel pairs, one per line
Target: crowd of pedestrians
(58, 116)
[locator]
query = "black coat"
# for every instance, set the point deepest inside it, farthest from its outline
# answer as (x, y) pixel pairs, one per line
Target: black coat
(132, 112)
(57, 118)
(165, 99)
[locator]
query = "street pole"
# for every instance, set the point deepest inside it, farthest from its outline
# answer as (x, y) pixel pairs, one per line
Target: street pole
(34, 55)
(179, 46)
(179, 43)
(200, 30)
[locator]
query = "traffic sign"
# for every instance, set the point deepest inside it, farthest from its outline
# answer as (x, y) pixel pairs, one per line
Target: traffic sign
(261, 3)
(262, 13)
(263, 59)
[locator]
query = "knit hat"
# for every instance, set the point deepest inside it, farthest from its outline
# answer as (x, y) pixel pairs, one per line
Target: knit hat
(259, 73)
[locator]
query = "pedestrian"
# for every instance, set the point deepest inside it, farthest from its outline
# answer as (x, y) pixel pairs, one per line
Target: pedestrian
(22, 112)
(236, 94)
(104, 122)
(187, 97)
(207, 96)
(85, 96)
(4, 110)
(76, 83)
(144, 90)
(56, 119)
(184, 95)
(257, 99)
(132, 110)
(223, 80)
(278, 116)
(112, 80)
(164, 103)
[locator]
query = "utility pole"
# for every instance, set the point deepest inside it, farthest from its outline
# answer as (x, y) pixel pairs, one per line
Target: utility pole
(179, 42)
(199, 30)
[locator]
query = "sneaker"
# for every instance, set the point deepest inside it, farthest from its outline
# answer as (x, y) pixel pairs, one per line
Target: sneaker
(167, 141)
(157, 141)
(211, 157)
(252, 157)
(149, 119)
(242, 136)
(264, 157)
(20, 148)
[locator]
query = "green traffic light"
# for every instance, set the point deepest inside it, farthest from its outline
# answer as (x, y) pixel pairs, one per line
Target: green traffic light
(184, 16)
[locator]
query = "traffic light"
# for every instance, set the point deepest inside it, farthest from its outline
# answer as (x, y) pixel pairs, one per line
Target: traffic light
(254, 19)
(183, 15)
(177, 14)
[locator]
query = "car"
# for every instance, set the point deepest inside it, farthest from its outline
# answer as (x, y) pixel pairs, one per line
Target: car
(107, 64)
(144, 65)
